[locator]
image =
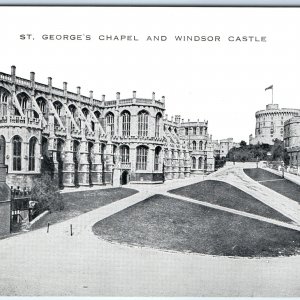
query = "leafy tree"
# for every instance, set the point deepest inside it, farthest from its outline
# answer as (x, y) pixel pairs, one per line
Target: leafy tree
(243, 144)
(45, 192)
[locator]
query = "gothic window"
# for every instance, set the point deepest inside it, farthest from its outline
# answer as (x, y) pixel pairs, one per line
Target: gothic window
(32, 146)
(17, 151)
(42, 104)
(124, 154)
(141, 158)
(126, 123)
(194, 145)
(194, 162)
(200, 145)
(110, 123)
(157, 124)
(85, 112)
(156, 158)
(143, 117)
(199, 162)
(58, 106)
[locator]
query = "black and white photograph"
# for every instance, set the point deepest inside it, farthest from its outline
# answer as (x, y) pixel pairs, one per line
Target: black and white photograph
(150, 151)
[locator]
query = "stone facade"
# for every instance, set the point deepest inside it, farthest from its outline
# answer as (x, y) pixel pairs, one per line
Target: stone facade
(4, 193)
(94, 142)
(270, 124)
(222, 147)
(292, 141)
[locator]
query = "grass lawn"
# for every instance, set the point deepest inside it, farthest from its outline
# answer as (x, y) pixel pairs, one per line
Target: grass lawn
(77, 203)
(224, 194)
(284, 187)
(167, 223)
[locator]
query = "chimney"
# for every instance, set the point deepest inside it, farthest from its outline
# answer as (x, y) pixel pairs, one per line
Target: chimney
(188, 120)
(163, 98)
(118, 96)
(49, 81)
(78, 90)
(91, 94)
(103, 97)
(153, 96)
(32, 76)
(134, 94)
(182, 120)
(172, 118)
(166, 116)
(13, 71)
(65, 86)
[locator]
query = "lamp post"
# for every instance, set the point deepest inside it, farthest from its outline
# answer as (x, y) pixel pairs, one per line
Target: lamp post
(269, 158)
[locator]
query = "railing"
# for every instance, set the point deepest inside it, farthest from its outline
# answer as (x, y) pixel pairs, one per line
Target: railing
(110, 103)
(21, 205)
(125, 101)
(57, 91)
(13, 120)
(5, 77)
(41, 87)
(22, 81)
(72, 96)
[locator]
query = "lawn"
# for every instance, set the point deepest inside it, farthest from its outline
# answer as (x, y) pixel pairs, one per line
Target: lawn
(167, 223)
(77, 203)
(284, 187)
(224, 194)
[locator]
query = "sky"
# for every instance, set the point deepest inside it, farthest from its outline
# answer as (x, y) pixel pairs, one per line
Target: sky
(223, 82)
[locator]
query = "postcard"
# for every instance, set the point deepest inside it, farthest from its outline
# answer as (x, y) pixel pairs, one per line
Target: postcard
(149, 151)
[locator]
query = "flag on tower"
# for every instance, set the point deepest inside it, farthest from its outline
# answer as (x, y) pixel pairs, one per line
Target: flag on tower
(269, 88)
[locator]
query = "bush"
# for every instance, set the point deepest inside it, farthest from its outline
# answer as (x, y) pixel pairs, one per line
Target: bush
(46, 193)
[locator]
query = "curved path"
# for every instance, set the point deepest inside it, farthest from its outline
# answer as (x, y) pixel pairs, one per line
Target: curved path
(37, 263)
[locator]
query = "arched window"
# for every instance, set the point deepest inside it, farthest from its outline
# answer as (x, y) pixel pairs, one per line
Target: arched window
(32, 146)
(23, 99)
(58, 106)
(194, 145)
(3, 102)
(124, 154)
(141, 158)
(199, 162)
(110, 123)
(156, 158)
(194, 162)
(125, 123)
(97, 114)
(157, 124)
(85, 112)
(17, 152)
(41, 102)
(72, 109)
(143, 117)
(201, 145)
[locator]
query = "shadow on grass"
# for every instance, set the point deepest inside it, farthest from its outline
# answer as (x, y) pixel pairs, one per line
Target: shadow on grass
(224, 194)
(78, 203)
(167, 223)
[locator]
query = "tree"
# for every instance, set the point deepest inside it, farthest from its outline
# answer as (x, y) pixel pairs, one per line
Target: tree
(243, 144)
(45, 192)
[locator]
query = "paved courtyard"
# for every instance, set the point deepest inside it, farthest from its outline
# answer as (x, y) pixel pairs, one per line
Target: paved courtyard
(56, 263)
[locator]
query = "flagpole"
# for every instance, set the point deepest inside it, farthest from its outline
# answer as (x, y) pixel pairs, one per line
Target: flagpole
(272, 93)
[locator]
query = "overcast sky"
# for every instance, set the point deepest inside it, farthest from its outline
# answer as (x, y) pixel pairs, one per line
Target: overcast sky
(222, 82)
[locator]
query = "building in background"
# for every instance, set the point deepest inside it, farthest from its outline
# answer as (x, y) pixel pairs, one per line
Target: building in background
(270, 124)
(94, 142)
(292, 141)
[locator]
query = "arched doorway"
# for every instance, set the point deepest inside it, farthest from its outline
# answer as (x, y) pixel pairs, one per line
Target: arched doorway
(124, 177)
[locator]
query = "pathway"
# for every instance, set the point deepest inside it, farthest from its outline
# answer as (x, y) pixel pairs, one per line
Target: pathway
(37, 263)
